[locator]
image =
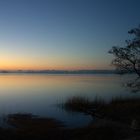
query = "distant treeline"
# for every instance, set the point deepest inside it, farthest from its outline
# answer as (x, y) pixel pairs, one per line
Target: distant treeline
(61, 71)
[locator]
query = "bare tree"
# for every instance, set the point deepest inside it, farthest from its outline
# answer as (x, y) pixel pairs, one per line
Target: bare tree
(127, 58)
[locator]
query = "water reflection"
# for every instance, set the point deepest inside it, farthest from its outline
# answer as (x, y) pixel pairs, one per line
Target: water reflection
(133, 85)
(39, 93)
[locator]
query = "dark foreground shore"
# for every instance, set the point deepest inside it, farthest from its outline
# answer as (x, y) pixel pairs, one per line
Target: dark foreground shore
(120, 121)
(27, 126)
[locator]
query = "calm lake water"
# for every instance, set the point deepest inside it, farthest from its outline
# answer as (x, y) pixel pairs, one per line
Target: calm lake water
(39, 94)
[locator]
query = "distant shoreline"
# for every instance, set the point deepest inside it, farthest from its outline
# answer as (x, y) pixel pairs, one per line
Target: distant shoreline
(60, 71)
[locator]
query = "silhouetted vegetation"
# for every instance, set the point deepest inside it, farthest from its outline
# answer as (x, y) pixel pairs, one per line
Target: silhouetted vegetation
(124, 110)
(127, 58)
(81, 104)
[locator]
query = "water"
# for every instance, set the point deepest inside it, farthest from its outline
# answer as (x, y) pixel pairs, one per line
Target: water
(39, 94)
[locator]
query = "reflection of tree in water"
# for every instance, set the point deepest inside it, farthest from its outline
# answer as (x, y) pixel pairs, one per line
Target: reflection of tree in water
(133, 85)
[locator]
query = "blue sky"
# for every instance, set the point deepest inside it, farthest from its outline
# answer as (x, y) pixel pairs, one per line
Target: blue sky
(63, 34)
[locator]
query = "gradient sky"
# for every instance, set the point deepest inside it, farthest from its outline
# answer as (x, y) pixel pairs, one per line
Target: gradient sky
(63, 34)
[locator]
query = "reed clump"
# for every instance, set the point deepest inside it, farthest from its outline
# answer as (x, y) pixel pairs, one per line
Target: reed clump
(119, 108)
(81, 104)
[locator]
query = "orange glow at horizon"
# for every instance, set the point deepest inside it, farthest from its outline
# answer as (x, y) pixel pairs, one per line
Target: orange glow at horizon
(32, 67)
(30, 63)
(23, 65)
(39, 67)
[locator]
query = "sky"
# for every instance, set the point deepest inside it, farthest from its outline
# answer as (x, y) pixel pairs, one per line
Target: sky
(63, 34)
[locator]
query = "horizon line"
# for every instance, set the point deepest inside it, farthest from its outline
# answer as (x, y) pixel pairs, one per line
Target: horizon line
(57, 70)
